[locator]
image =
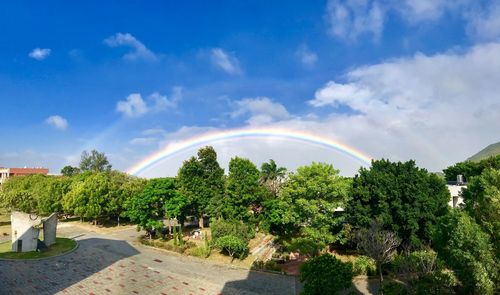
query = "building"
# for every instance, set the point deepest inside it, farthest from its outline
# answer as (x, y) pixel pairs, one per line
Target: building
(456, 188)
(5, 173)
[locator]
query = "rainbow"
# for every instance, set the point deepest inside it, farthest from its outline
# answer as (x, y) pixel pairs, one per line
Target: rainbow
(232, 134)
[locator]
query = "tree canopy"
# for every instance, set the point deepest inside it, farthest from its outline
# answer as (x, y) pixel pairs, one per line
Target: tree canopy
(406, 199)
(470, 169)
(201, 180)
(308, 202)
(94, 161)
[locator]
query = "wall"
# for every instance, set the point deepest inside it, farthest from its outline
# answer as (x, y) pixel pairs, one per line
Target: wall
(23, 229)
(50, 229)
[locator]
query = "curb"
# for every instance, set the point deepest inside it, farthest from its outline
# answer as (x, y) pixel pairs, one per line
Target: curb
(45, 258)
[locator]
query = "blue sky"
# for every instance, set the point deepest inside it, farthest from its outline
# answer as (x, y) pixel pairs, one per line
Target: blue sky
(395, 79)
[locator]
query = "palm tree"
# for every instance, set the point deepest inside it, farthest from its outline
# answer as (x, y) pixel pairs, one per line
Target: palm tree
(272, 176)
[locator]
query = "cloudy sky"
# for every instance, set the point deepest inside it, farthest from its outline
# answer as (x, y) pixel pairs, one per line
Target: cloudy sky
(395, 79)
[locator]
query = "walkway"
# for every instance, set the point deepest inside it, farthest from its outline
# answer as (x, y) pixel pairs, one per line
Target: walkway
(116, 264)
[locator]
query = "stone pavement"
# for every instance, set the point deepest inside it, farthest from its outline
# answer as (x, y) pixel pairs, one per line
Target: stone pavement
(115, 264)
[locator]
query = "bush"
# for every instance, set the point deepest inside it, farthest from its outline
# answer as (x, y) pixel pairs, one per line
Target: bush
(323, 273)
(418, 262)
(221, 227)
(364, 265)
(434, 283)
(393, 288)
(201, 252)
(233, 246)
(306, 246)
(268, 265)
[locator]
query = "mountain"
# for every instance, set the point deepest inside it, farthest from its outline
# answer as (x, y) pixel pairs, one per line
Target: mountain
(491, 150)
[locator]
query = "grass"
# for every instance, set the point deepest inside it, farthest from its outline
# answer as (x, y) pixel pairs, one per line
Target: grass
(61, 246)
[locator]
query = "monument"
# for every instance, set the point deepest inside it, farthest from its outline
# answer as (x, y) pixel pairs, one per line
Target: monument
(26, 231)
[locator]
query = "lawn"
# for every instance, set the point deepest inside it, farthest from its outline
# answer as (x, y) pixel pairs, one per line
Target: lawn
(61, 246)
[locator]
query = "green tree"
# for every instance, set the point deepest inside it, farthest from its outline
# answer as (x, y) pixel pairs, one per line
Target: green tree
(122, 188)
(272, 177)
(34, 193)
(325, 274)
(89, 196)
(470, 169)
(314, 193)
(147, 209)
(94, 161)
(201, 180)
(70, 170)
(482, 202)
(406, 199)
(233, 246)
(465, 248)
(242, 190)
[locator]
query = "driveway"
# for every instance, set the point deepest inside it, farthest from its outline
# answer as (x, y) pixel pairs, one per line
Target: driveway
(116, 264)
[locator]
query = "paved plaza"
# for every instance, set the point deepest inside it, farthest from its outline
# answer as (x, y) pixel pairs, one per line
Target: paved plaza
(116, 264)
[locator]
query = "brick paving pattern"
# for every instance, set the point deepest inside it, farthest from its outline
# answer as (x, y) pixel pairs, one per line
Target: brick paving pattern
(102, 265)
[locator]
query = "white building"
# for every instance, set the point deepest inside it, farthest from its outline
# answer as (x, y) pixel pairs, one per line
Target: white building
(456, 188)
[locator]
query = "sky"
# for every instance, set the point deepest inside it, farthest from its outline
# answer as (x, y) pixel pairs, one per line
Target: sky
(393, 79)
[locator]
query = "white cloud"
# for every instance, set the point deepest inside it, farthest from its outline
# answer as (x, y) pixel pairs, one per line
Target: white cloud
(437, 109)
(40, 53)
(138, 49)
(57, 122)
(260, 110)
(135, 106)
(225, 61)
(349, 19)
(306, 56)
(484, 24)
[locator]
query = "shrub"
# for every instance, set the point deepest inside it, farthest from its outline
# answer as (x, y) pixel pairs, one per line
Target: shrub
(393, 288)
(434, 283)
(306, 246)
(323, 273)
(268, 265)
(201, 252)
(418, 262)
(233, 246)
(364, 265)
(221, 227)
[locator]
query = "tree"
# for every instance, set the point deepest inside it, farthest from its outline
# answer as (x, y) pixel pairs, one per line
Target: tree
(379, 244)
(404, 198)
(70, 171)
(314, 193)
(122, 188)
(272, 177)
(147, 209)
(201, 180)
(465, 248)
(482, 202)
(232, 245)
(470, 169)
(242, 190)
(88, 196)
(94, 161)
(325, 275)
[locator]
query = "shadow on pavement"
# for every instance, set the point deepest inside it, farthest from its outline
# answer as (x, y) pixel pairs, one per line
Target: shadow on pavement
(263, 283)
(52, 275)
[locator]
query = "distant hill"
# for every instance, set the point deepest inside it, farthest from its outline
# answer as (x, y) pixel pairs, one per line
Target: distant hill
(491, 150)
